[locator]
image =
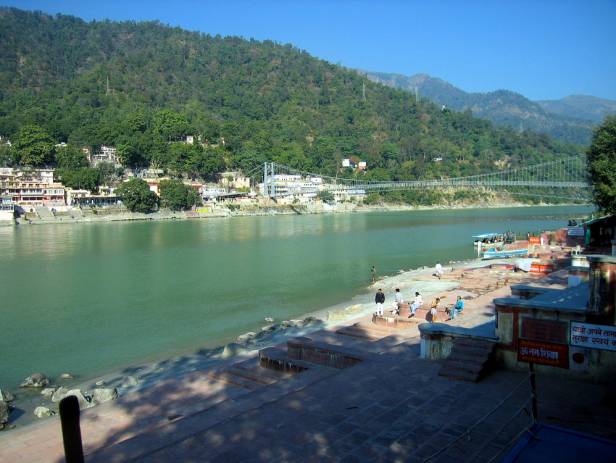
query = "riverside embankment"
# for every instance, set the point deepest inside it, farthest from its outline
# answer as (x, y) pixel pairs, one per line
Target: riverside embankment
(115, 214)
(99, 298)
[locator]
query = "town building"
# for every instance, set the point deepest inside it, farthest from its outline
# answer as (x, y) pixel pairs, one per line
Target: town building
(234, 181)
(31, 188)
(296, 186)
(211, 192)
(104, 154)
(601, 234)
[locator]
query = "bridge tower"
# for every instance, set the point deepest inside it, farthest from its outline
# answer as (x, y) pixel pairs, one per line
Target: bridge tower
(269, 187)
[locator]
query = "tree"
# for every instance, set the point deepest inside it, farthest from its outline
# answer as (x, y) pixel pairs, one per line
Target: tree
(137, 197)
(177, 196)
(206, 163)
(8, 156)
(84, 178)
(326, 196)
(69, 157)
(170, 125)
(106, 172)
(601, 158)
(34, 146)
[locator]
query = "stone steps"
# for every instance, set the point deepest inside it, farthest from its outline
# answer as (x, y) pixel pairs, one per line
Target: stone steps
(304, 353)
(247, 374)
(470, 359)
(276, 359)
(227, 376)
(363, 332)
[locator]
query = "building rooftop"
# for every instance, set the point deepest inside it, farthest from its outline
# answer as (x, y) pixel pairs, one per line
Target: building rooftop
(573, 299)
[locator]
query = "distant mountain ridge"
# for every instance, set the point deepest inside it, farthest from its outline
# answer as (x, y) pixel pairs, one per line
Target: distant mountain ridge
(586, 107)
(570, 119)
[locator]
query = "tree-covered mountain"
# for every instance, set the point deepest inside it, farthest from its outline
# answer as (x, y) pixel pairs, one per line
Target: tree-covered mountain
(585, 107)
(570, 120)
(143, 86)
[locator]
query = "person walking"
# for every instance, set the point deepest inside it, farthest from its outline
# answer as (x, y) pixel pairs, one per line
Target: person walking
(379, 300)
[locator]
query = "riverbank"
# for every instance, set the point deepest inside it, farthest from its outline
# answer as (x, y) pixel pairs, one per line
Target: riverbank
(138, 378)
(111, 215)
(390, 406)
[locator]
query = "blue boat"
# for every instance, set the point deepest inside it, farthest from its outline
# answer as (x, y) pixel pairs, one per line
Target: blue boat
(504, 254)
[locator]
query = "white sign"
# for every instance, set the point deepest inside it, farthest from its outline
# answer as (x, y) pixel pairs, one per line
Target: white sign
(575, 231)
(593, 336)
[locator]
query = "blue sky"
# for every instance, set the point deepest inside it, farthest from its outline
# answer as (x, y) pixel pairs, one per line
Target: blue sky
(543, 49)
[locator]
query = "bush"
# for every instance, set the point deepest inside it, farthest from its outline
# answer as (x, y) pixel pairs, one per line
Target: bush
(326, 196)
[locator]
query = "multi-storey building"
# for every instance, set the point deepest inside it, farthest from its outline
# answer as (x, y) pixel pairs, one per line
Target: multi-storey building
(32, 188)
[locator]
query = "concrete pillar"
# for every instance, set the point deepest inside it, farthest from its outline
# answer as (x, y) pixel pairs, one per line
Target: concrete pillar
(602, 287)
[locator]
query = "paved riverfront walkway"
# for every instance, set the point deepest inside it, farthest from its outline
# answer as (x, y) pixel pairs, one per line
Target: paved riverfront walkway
(392, 406)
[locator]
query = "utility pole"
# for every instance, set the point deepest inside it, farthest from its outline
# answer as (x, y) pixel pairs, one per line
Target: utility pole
(107, 92)
(363, 90)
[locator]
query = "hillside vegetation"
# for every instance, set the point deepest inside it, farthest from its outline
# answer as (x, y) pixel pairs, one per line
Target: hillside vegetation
(143, 86)
(570, 120)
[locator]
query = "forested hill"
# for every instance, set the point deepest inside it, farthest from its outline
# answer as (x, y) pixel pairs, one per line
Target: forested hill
(562, 121)
(140, 86)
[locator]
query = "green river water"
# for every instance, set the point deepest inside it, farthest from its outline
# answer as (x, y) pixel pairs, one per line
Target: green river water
(90, 298)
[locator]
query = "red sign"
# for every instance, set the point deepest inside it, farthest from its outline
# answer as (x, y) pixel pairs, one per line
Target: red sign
(543, 353)
(535, 329)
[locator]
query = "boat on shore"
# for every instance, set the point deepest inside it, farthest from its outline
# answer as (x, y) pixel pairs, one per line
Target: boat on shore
(504, 253)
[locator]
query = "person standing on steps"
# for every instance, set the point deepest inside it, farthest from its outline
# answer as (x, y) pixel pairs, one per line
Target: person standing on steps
(438, 270)
(398, 300)
(379, 300)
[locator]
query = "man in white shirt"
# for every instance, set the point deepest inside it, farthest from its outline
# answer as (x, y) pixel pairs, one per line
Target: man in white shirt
(438, 270)
(417, 303)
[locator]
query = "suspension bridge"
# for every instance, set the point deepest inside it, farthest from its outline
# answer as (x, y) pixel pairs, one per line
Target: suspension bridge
(568, 174)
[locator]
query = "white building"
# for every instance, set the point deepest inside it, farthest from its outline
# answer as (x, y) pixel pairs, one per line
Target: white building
(105, 154)
(211, 191)
(294, 185)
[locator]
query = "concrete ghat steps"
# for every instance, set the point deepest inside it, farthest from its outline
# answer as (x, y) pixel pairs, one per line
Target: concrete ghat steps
(277, 359)
(227, 376)
(360, 330)
(470, 359)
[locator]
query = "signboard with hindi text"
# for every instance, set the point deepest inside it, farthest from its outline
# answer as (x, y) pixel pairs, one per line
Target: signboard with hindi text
(553, 331)
(593, 336)
(543, 353)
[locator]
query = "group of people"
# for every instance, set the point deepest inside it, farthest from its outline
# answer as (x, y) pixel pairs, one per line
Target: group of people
(379, 300)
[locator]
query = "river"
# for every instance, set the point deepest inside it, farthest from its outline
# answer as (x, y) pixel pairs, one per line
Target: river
(91, 298)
